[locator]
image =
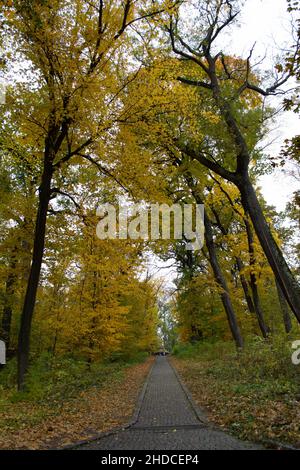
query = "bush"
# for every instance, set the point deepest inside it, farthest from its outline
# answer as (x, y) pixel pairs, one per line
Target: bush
(263, 365)
(53, 378)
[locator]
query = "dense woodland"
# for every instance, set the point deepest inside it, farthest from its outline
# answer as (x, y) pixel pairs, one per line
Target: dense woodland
(113, 100)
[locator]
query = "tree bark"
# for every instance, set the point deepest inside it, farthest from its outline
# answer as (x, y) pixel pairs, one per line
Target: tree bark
(218, 274)
(284, 309)
(244, 283)
(282, 272)
(240, 265)
(255, 305)
(34, 275)
(225, 296)
(253, 282)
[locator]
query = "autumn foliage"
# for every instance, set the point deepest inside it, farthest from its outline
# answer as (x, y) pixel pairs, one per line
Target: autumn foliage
(125, 101)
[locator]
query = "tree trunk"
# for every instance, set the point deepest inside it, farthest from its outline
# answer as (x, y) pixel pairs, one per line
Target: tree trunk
(282, 272)
(258, 309)
(34, 275)
(244, 283)
(253, 282)
(225, 296)
(284, 309)
(240, 266)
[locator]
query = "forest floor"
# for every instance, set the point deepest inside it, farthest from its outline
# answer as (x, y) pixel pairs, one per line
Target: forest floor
(56, 422)
(252, 402)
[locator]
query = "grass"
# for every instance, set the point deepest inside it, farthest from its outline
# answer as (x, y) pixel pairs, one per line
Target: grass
(51, 383)
(50, 378)
(255, 394)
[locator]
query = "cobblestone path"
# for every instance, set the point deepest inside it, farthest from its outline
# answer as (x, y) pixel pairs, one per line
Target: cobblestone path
(168, 420)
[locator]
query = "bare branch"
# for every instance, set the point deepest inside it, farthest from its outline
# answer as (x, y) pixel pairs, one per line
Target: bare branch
(231, 17)
(104, 170)
(139, 18)
(55, 191)
(197, 83)
(192, 55)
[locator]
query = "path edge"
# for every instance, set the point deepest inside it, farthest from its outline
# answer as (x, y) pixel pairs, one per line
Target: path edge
(117, 429)
(200, 414)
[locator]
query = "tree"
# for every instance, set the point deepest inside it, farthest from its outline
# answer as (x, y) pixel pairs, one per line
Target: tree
(71, 99)
(176, 122)
(16, 208)
(227, 87)
(254, 303)
(219, 277)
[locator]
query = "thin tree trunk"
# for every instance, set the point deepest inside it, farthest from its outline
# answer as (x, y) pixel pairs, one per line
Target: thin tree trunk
(225, 296)
(239, 263)
(284, 309)
(56, 294)
(244, 283)
(253, 282)
(34, 275)
(282, 272)
(255, 305)
(258, 309)
(218, 274)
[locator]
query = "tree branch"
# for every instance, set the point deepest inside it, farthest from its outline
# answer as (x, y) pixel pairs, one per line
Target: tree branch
(213, 166)
(104, 170)
(193, 56)
(197, 83)
(56, 191)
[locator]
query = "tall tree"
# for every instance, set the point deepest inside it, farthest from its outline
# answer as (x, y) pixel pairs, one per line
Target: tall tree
(227, 86)
(71, 100)
(255, 301)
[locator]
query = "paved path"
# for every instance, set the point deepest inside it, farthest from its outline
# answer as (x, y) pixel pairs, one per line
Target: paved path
(167, 421)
